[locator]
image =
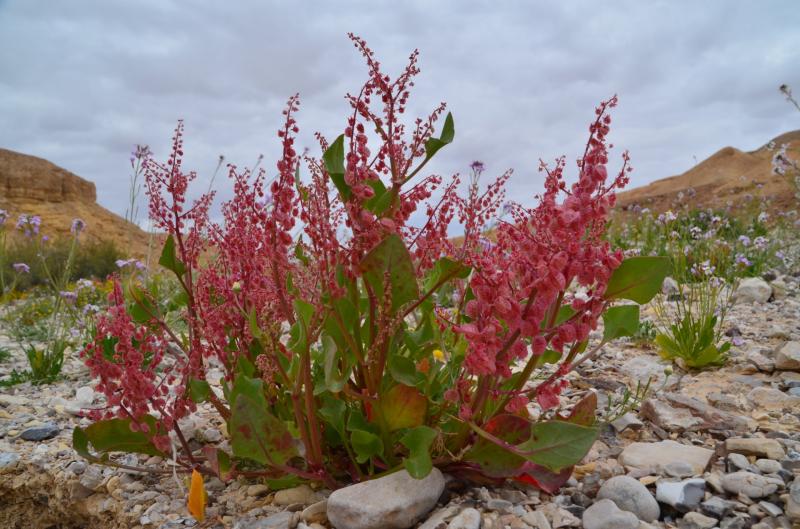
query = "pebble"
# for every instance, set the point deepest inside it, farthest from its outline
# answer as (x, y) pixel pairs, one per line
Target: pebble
(788, 357)
(669, 418)
(695, 520)
(678, 469)
(753, 290)
(683, 496)
(630, 495)
(768, 466)
(756, 446)
(537, 520)
(40, 433)
(717, 507)
(606, 515)
(469, 518)
(8, 460)
(657, 455)
(751, 485)
(396, 501)
(302, 494)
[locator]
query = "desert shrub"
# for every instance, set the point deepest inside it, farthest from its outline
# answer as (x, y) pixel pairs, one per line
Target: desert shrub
(353, 342)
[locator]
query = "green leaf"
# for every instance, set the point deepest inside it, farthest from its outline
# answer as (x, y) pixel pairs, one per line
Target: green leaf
(433, 145)
(584, 412)
(142, 310)
(255, 433)
(169, 258)
(558, 444)
(418, 441)
(199, 390)
(334, 380)
(493, 459)
(334, 164)
(115, 435)
(403, 407)
(550, 356)
(620, 321)
(332, 412)
(366, 445)
(638, 279)
(391, 256)
(403, 370)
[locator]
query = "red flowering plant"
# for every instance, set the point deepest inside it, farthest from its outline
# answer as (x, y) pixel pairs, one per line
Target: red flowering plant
(352, 342)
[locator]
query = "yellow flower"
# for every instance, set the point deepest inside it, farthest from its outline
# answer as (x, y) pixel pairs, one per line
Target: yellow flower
(438, 354)
(197, 497)
(236, 287)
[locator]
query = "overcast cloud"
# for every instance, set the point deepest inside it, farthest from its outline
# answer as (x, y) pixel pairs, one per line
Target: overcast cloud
(82, 81)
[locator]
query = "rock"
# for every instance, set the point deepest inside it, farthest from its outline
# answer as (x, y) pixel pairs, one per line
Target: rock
(788, 357)
(717, 507)
(630, 495)
(537, 520)
(84, 396)
(671, 419)
(8, 461)
(695, 520)
(438, 519)
(768, 466)
(281, 520)
(302, 494)
(657, 455)
(396, 501)
(740, 521)
(683, 496)
(606, 515)
(40, 433)
(645, 368)
(753, 290)
(762, 363)
(469, 518)
(749, 484)
(499, 505)
(315, 512)
(772, 399)
(629, 420)
(558, 516)
(755, 446)
(670, 286)
(715, 419)
(770, 508)
(679, 469)
(258, 489)
(739, 462)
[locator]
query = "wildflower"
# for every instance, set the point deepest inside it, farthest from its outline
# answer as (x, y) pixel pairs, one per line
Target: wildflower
(21, 268)
(477, 166)
(742, 261)
(84, 284)
(738, 341)
(130, 263)
(745, 240)
(438, 355)
(760, 243)
(3, 216)
(763, 217)
(69, 297)
(668, 370)
(29, 224)
(78, 225)
(90, 309)
(236, 286)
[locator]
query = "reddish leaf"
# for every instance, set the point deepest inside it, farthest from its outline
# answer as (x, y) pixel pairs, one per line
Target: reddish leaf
(494, 460)
(584, 411)
(544, 479)
(403, 407)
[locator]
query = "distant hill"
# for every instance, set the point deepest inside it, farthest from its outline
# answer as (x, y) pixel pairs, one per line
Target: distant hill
(728, 176)
(31, 185)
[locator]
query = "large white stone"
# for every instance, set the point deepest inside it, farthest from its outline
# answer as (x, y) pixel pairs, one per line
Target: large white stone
(630, 495)
(656, 456)
(753, 290)
(396, 501)
(606, 515)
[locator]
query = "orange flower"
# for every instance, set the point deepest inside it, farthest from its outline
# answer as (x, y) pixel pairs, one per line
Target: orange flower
(197, 497)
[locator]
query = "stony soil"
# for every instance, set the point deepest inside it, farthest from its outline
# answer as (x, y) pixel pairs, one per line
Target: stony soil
(719, 448)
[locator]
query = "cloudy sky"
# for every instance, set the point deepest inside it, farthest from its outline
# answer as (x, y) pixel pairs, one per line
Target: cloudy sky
(83, 81)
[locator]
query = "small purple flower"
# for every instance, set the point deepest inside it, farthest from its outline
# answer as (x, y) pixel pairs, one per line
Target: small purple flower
(29, 224)
(738, 341)
(742, 261)
(3, 216)
(760, 243)
(21, 268)
(69, 297)
(78, 225)
(90, 309)
(477, 166)
(745, 240)
(130, 263)
(85, 284)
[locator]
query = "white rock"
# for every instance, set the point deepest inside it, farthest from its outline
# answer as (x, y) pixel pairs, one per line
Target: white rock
(751, 485)
(84, 396)
(656, 455)
(788, 357)
(302, 494)
(669, 418)
(753, 290)
(537, 520)
(630, 495)
(396, 501)
(606, 515)
(683, 495)
(695, 520)
(755, 446)
(469, 518)
(772, 399)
